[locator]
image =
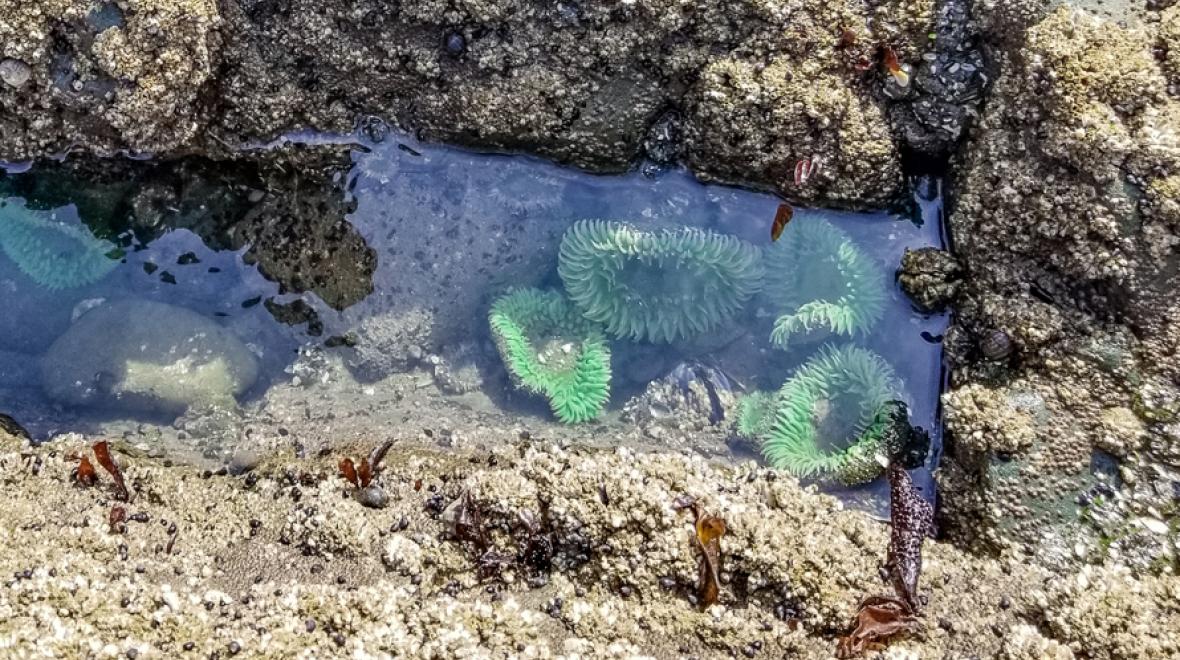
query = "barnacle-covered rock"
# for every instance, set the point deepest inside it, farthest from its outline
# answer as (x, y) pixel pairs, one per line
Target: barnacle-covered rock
(749, 120)
(693, 398)
(930, 277)
(457, 369)
(391, 342)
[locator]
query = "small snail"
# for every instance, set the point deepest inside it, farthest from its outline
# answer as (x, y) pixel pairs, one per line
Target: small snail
(996, 345)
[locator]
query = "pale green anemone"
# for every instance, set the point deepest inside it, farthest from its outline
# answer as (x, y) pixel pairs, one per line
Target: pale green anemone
(829, 421)
(821, 281)
(551, 350)
(56, 255)
(658, 285)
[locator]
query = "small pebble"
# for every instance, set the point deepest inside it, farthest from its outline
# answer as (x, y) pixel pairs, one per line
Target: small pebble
(373, 497)
(242, 462)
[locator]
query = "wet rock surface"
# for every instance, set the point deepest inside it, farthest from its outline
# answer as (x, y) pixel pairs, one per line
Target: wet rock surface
(930, 277)
(140, 355)
(591, 84)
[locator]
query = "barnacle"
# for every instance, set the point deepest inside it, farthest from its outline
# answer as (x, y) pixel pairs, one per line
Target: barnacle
(821, 280)
(658, 285)
(56, 255)
(807, 427)
(550, 349)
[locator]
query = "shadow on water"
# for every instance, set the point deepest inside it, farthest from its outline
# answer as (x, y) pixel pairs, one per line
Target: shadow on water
(387, 255)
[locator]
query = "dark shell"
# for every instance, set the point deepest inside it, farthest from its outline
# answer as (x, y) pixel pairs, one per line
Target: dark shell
(996, 345)
(372, 497)
(455, 43)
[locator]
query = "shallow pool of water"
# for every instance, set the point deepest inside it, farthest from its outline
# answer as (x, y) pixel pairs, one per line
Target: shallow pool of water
(346, 293)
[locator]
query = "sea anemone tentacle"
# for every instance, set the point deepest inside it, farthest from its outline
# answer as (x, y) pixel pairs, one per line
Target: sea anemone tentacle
(658, 285)
(549, 349)
(57, 255)
(823, 281)
(791, 424)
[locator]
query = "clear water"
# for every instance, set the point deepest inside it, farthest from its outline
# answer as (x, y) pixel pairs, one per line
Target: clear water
(362, 291)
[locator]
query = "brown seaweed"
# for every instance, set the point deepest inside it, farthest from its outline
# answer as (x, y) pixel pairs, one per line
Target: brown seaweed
(878, 620)
(893, 66)
(348, 472)
(911, 520)
(103, 453)
(85, 474)
(117, 519)
(709, 530)
(362, 476)
(885, 617)
(378, 455)
(782, 217)
(466, 521)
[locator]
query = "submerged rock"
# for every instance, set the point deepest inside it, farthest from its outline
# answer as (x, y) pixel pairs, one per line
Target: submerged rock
(145, 356)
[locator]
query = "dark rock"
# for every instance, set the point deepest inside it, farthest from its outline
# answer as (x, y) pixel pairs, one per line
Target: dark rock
(455, 44)
(12, 427)
(373, 497)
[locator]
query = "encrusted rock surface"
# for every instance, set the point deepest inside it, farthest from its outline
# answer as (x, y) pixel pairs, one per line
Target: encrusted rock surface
(284, 559)
(745, 90)
(930, 277)
(1064, 220)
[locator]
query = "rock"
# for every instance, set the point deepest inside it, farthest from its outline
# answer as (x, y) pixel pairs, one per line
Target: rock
(142, 356)
(402, 554)
(389, 343)
(243, 462)
(930, 277)
(12, 427)
(372, 497)
(15, 73)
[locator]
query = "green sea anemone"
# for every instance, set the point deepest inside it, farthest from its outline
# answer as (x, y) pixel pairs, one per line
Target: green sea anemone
(658, 285)
(831, 420)
(56, 255)
(756, 414)
(550, 349)
(821, 281)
